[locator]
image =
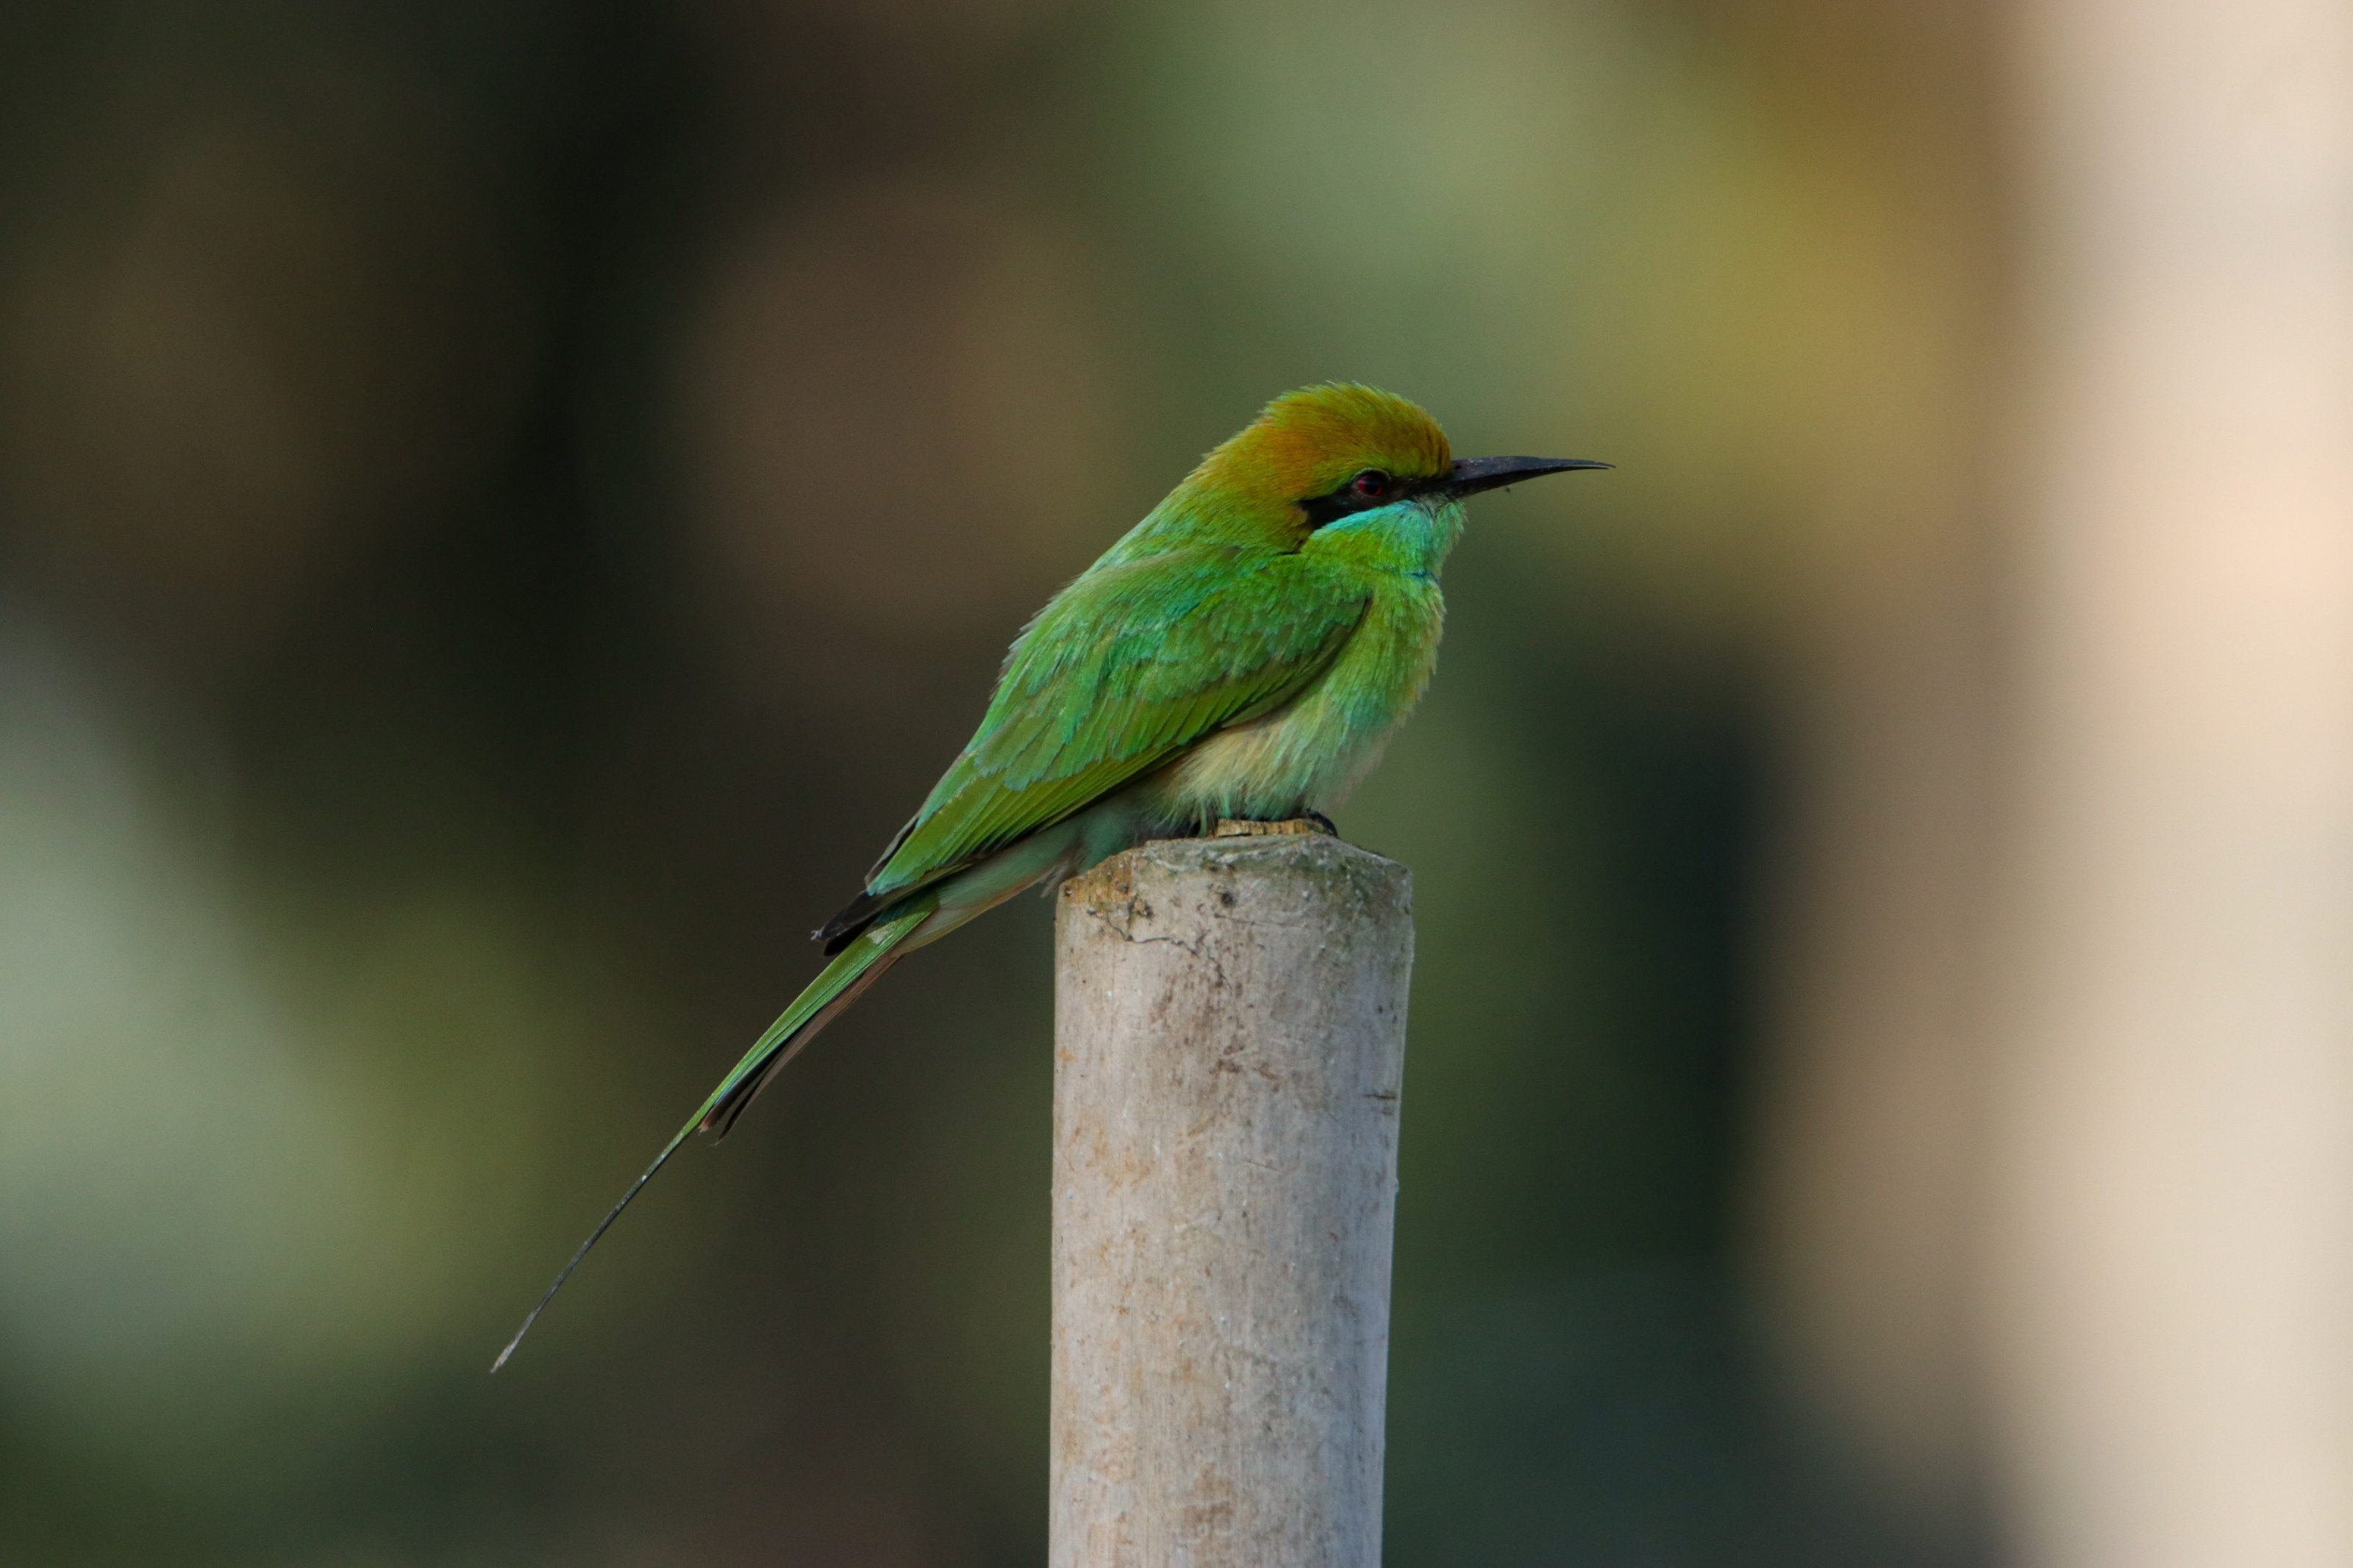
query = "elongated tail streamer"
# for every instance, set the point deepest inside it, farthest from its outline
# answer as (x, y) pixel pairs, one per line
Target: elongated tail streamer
(858, 966)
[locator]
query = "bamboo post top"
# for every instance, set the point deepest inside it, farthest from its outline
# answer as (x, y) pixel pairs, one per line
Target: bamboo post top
(1229, 1042)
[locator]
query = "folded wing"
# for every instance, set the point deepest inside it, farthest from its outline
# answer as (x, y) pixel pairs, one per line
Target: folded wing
(1126, 669)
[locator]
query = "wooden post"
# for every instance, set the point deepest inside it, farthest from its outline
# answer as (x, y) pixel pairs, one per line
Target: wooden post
(1230, 1038)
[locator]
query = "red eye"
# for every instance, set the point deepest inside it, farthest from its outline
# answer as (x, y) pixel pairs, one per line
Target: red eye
(1370, 484)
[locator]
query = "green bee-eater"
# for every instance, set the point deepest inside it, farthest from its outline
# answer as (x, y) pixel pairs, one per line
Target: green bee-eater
(1244, 652)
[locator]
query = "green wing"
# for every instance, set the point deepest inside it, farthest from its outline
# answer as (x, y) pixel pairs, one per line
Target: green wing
(1125, 669)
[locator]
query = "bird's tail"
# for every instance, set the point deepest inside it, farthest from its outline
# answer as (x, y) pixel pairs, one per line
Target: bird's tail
(856, 966)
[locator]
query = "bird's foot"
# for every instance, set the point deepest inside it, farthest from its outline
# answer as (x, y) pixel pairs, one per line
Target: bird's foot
(1313, 821)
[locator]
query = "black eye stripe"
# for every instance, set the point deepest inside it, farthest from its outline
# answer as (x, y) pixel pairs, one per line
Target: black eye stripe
(1321, 509)
(1348, 498)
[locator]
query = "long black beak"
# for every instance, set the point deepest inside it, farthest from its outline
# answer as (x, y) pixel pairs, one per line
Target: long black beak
(1472, 474)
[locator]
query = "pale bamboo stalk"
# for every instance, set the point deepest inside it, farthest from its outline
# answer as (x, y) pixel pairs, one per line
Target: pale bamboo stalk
(1230, 1040)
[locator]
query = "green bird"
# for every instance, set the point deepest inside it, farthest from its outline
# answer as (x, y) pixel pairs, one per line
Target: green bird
(1244, 653)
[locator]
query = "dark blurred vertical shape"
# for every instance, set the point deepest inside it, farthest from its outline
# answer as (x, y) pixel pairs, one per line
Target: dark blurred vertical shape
(2171, 1244)
(253, 319)
(1867, 1123)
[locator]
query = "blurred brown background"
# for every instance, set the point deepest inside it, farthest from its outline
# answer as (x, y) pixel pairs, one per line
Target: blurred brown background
(504, 505)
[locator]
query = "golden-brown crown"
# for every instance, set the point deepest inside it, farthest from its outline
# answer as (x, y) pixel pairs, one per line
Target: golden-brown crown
(1310, 442)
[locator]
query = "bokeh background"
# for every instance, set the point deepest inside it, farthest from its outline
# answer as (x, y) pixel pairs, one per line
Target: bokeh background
(505, 505)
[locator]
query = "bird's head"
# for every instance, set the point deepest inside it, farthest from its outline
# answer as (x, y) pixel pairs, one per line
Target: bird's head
(1325, 456)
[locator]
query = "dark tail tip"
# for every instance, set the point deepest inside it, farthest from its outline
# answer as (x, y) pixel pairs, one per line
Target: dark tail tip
(593, 1237)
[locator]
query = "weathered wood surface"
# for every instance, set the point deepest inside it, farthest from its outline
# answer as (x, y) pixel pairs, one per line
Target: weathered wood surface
(1230, 1040)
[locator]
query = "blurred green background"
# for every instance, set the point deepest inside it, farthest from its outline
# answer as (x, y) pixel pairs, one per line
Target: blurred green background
(505, 505)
